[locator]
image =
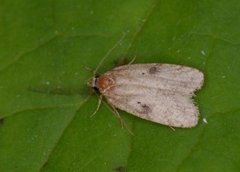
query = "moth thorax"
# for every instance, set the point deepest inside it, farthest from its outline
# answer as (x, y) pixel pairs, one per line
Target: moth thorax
(104, 83)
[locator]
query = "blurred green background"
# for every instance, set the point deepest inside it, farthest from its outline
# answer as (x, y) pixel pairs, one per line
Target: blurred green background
(45, 105)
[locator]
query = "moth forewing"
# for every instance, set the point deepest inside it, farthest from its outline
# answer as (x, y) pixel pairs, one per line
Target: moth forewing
(160, 93)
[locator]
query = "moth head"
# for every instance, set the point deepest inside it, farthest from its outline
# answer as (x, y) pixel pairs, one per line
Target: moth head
(93, 82)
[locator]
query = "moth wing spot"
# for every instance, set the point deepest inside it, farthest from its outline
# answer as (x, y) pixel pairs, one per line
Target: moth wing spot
(144, 109)
(153, 70)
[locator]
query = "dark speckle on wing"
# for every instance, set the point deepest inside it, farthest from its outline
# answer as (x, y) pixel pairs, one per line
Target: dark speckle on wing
(152, 70)
(144, 108)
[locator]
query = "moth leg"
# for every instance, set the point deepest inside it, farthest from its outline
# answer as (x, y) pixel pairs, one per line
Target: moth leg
(122, 122)
(133, 59)
(123, 61)
(172, 128)
(98, 106)
(116, 113)
(88, 69)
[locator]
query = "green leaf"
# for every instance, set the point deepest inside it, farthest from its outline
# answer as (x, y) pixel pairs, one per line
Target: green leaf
(46, 105)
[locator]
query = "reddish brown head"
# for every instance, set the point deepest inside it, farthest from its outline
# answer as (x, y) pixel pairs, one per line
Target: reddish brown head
(101, 83)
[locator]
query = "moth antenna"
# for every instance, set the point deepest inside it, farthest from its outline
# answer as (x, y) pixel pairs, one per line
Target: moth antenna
(122, 122)
(109, 52)
(98, 106)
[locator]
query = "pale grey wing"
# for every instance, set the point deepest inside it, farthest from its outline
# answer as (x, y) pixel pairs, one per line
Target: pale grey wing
(160, 106)
(177, 78)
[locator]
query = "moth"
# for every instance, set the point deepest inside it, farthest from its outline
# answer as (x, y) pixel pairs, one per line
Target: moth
(161, 93)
